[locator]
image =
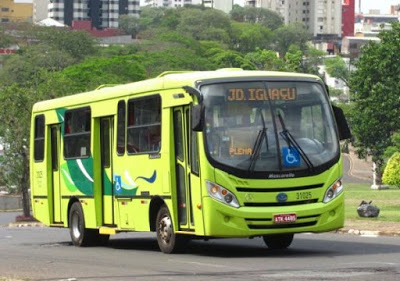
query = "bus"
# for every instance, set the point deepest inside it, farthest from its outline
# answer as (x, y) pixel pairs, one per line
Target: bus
(203, 154)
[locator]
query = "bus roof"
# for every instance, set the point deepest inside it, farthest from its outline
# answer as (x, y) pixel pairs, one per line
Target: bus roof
(166, 80)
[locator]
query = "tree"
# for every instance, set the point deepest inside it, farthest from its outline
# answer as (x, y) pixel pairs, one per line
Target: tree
(130, 25)
(15, 108)
(375, 91)
(26, 68)
(78, 44)
(313, 58)
(5, 39)
(247, 37)
(336, 67)
(294, 59)
(266, 60)
(173, 57)
(265, 17)
(291, 34)
(391, 175)
(93, 72)
(231, 59)
(394, 147)
(208, 24)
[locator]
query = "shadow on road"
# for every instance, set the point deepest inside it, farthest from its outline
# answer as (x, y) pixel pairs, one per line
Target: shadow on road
(239, 248)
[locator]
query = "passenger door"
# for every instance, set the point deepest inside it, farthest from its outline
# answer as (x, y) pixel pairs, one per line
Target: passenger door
(106, 133)
(55, 168)
(185, 179)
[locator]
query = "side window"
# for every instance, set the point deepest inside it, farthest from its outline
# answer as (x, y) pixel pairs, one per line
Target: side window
(121, 128)
(144, 125)
(178, 135)
(39, 138)
(194, 153)
(77, 133)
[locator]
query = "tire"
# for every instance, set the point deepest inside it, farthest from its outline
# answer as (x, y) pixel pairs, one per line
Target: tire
(278, 241)
(168, 241)
(80, 235)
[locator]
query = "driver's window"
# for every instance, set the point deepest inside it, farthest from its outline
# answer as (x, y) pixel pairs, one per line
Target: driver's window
(312, 123)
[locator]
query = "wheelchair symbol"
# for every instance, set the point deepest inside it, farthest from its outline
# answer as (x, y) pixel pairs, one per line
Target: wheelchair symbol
(291, 157)
(117, 183)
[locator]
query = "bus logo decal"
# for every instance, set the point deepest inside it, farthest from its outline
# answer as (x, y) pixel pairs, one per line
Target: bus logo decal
(281, 197)
(151, 179)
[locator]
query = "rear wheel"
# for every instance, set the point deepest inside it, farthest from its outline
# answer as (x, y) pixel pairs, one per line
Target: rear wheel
(80, 235)
(278, 241)
(168, 241)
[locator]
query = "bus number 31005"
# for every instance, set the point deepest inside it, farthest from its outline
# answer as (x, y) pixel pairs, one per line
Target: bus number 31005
(303, 195)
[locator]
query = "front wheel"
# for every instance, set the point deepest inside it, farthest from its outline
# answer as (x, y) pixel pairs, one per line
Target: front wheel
(278, 241)
(168, 241)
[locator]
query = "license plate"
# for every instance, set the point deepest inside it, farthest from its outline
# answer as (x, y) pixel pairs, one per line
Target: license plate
(285, 218)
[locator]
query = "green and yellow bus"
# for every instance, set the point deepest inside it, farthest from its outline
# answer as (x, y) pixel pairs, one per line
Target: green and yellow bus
(213, 154)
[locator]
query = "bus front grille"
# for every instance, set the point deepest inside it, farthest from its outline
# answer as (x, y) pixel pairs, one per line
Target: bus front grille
(278, 204)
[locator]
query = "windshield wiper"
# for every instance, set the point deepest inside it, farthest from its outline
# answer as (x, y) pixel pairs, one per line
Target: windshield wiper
(262, 134)
(288, 137)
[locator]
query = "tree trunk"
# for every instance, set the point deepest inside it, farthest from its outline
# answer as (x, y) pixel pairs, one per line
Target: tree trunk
(24, 187)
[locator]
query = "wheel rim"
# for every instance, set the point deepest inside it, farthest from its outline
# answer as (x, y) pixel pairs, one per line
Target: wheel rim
(165, 229)
(76, 231)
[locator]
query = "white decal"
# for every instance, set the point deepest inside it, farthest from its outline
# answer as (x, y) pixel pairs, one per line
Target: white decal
(83, 170)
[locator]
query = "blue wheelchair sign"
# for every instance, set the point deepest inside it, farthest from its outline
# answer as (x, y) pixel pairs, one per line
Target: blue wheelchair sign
(291, 157)
(117, 183)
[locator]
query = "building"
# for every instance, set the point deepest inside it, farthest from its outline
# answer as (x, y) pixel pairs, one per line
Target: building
(348, 17)
(323, 19)
(351, 46)
(373, 23)
(40, 10)
(101, 13)
(16, 11)
(395, 10)
(223, 5)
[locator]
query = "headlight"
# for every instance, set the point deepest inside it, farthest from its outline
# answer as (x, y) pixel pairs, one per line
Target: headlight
(221, 194)
(333, 191)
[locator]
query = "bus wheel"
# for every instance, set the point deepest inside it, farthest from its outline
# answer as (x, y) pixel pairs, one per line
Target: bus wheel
(80, 235)
(168, 241)
(278, 241)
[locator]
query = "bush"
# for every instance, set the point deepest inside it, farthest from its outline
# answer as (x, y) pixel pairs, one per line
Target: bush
(391, 174)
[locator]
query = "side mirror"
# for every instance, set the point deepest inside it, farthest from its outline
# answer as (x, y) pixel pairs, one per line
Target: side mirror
(197, 120)
(343, 127)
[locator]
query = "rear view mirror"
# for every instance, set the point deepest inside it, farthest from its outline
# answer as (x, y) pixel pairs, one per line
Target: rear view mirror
(343, 127)
(197, 120)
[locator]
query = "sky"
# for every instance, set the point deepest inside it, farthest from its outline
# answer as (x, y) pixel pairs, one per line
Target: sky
(366, 5)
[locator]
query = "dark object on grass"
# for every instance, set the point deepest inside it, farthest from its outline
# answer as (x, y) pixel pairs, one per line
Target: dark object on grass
(368, 210)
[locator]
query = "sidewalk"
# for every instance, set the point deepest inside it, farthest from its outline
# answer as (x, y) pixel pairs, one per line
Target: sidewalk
(359, 168)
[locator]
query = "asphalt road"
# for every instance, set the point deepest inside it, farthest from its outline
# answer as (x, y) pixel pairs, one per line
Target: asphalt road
(41, 253)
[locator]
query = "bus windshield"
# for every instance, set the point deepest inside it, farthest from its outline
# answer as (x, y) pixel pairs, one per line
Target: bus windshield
(272, 127)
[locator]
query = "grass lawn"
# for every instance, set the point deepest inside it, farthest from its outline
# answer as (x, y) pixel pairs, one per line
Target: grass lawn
(387, 200)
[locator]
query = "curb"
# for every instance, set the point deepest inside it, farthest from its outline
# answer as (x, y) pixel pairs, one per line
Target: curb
(25, 224)
(367, 233)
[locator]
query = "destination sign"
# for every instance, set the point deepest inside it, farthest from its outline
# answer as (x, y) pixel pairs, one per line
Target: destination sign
(254, 94)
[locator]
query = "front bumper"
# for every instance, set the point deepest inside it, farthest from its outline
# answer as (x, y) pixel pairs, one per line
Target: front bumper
(221, 220)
